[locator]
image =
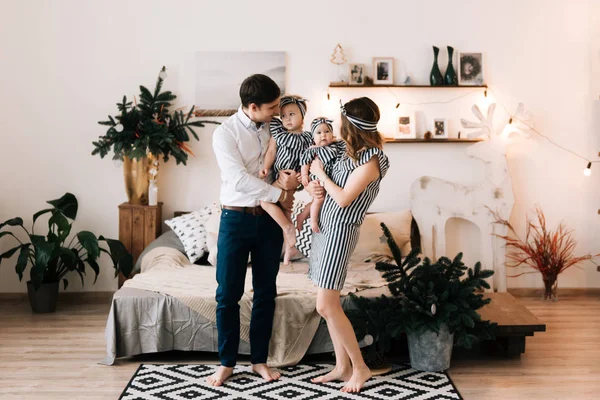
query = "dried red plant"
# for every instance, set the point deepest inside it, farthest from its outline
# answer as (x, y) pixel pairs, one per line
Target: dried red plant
(547, 252)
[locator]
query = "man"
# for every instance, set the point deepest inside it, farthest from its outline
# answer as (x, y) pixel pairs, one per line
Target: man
(240, 144)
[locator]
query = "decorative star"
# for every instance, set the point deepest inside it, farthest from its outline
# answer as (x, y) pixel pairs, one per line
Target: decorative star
(382, 239)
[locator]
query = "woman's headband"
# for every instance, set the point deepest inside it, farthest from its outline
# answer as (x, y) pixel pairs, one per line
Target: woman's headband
(368, 126)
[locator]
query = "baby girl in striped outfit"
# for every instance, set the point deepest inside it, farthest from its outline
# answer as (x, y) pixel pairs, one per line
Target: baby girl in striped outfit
(327, 149)
(288, 143)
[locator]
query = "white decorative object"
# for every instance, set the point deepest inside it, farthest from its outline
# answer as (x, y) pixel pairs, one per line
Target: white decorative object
(152, 193)
(440, 128)
(434, 201)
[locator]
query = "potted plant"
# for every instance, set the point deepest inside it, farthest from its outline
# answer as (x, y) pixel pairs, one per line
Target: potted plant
(545, 251)
(434, 303)
(53, 256)
(145, 131)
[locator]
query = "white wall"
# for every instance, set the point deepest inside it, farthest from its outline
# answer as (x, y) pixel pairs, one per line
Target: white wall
(66, 63)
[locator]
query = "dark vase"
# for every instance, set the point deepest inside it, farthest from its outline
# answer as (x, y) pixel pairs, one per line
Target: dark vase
(436, 78)
(450, 79)
(44, 299)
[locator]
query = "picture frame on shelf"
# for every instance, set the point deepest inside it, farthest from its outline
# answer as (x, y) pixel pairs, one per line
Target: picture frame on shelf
(440, 128)
(405, 126)
(470, 69)
(357, 74)
(383, 70)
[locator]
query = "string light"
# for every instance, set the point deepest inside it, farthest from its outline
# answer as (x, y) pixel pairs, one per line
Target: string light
(587, 171)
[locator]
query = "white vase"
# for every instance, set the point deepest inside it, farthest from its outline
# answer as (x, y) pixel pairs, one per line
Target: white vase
(152, 193)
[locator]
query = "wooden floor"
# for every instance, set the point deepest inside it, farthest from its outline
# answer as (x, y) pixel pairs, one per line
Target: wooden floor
(55, 356)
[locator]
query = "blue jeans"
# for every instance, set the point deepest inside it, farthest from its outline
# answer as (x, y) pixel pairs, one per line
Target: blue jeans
(242, 234)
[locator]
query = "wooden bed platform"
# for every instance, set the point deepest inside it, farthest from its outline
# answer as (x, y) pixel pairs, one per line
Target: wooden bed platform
(515, 323)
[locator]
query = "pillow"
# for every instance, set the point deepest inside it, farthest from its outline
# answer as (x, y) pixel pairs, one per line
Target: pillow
(167, 239)
(304, 236)
(212, 234)
(189, 228)
(372, 244)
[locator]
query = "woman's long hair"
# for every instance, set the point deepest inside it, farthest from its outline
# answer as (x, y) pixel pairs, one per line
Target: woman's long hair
(356, 139)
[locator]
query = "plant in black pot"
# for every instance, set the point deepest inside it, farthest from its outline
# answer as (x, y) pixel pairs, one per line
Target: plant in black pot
(53, 256)
(435, 304)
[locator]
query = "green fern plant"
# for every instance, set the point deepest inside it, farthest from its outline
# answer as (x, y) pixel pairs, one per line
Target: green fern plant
(425, 295)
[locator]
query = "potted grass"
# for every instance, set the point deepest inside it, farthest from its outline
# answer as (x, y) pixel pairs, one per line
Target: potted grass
(543, 250)
(434, 303)
(51, 257)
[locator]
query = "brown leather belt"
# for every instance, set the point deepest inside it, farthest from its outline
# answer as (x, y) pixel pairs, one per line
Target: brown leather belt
(258, 210)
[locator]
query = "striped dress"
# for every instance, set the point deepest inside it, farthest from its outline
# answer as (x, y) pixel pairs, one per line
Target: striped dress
(327, 154)
(290, 147)
(331, 249)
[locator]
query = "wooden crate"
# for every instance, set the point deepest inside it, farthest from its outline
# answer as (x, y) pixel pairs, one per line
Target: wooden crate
(138, 226)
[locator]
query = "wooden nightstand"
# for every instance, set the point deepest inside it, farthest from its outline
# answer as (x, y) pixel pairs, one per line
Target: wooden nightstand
(138, 227)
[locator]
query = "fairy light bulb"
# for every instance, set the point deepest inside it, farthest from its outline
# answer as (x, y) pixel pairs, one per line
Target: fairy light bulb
(163, 75)
(588, 170)
(119, 128)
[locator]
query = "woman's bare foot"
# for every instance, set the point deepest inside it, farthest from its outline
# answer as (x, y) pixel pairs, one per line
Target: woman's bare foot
(266, 372)
(357, 381)
(336, 374)
(220, 376)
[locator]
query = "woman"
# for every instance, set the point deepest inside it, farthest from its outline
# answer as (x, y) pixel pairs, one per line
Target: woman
(351, 186)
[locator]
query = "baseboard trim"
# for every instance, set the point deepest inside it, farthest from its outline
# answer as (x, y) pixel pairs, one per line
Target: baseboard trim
(95, 296)
(538, 292)
(63, 296)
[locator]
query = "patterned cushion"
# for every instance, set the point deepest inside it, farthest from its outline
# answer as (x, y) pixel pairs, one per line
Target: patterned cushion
(190, 229)
(304, 236)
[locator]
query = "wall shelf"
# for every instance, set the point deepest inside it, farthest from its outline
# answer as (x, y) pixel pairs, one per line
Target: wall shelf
(450, 140)
(406, 86)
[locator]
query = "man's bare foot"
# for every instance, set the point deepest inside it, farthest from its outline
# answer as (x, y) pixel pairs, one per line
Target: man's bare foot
(357, 381)
(336, 374)
(266, 372)
(220, 376)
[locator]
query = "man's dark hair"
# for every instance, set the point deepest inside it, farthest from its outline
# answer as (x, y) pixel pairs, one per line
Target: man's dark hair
(258, 89)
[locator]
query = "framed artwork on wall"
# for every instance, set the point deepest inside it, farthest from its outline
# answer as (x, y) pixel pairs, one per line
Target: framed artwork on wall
(470, 69)
(440, 128)
(383, 71)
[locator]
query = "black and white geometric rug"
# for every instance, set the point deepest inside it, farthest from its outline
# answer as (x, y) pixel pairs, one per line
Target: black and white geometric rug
(179, 382)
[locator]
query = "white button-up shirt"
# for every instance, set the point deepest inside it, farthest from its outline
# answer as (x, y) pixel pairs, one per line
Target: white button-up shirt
(240, 148)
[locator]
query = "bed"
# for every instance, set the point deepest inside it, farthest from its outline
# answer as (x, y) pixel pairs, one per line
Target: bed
(148, 321)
